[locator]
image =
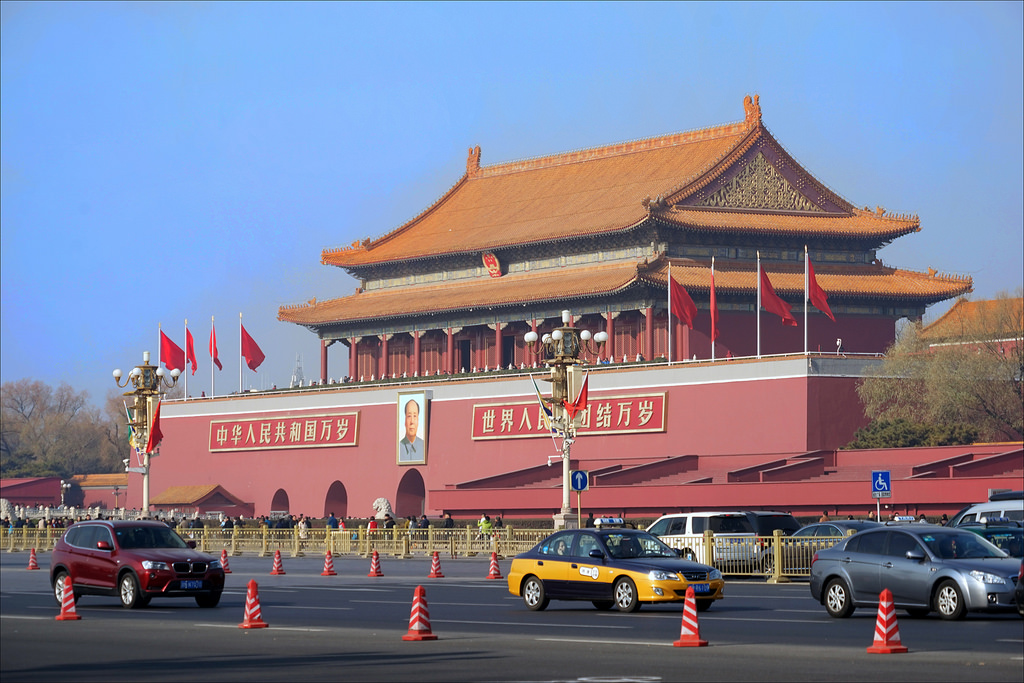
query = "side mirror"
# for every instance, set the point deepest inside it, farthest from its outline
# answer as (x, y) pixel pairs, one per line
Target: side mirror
(915, 555)
(103, 545)
(596, 554)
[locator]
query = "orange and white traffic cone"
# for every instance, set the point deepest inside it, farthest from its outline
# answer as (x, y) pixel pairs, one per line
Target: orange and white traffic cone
(67, 602)
(224, 561)
(32, 564)
(375, 566)
(887, 631)
(435, 568)
(253, 617)
(689, 635)
(419, 620)
(328, 565)
(495, 572)
(278, 565)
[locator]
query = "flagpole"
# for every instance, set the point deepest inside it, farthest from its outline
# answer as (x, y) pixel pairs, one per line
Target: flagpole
(713, 330)
(213, 374)
(239, 352)
(184, 370)
(806, 298)
(758, 309)
(159, 346)
(671, 349)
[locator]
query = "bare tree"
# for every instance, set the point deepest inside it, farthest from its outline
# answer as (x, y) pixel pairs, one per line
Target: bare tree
(966, 368)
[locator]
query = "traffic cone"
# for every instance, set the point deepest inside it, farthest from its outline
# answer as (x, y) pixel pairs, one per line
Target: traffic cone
(67, 602)
(689, 634)
(887, 631)
(253, 618)
(375, 566)
(224, 561)
(495, 572)
(328, 565)
(278, 565)
(435, 568)
(419, 620)
(32, 564)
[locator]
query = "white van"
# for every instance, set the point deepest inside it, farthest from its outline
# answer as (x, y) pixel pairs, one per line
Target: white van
(1009, 504)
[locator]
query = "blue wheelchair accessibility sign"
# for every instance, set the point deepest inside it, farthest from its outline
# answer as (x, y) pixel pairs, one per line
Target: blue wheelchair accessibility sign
(881, 484)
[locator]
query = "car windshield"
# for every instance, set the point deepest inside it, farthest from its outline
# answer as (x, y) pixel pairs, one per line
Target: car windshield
(622, 546)
(148, 537)
(955, 545)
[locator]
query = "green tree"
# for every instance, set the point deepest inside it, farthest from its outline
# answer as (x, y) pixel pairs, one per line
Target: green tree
(966, 371)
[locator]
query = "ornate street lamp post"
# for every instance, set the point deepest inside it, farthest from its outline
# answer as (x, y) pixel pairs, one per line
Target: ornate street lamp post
(148, 382)
(64, 486)
(562, 347)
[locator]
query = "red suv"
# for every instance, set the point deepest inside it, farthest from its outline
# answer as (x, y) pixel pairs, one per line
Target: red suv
(135, 561)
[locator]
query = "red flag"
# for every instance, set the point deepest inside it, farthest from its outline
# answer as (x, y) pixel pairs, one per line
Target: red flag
(251, 351)
(771, 302)
(171, 354)
(213, 347)
(682, 305)
(190, 350)
(714, 306)
(580, 404)
(817, 295)
(155, 435)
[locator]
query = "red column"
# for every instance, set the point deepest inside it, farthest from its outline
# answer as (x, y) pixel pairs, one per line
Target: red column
(383, 355)
(323, 360)
(609, 327)
(449, 361)
(497, 345)
(685, 339)
(648, 350)
(416, 353)
(353, 359)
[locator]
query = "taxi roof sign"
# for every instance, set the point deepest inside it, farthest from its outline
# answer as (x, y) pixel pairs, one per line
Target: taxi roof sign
(609, 521)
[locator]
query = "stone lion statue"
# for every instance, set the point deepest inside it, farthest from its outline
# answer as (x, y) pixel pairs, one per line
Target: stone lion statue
(383, 507)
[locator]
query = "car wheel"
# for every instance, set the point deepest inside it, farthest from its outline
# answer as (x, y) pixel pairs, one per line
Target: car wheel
(918, 612)
(209, 600)
(704, 605)
(128, 590)
(603, 605)
(58, 588)
(625, 595)
(837, 599)
(533, 594)
(949, 601)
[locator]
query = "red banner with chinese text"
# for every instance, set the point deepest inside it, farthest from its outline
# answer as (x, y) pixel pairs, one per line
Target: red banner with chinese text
(295, 431)
(604, 415)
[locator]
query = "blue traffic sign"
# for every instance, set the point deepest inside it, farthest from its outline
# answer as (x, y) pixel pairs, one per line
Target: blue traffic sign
(881, 484)
(579, 480)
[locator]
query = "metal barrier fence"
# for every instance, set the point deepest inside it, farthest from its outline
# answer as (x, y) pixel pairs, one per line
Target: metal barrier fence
(734, 556)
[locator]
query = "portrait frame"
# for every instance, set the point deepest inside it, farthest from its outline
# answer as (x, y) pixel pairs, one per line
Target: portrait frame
(412, 453)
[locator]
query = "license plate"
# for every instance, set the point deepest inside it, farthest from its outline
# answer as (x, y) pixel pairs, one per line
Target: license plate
(701, 587)
(191, 585)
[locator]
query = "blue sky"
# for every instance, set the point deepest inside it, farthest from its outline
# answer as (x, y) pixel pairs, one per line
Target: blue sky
(189, 160)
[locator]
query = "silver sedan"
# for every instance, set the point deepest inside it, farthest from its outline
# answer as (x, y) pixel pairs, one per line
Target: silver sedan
(950, 571)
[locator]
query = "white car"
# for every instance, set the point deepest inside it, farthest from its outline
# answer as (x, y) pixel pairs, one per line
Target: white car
(735, 541)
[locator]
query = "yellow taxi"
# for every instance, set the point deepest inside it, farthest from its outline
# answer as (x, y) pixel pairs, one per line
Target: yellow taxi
(610, 566)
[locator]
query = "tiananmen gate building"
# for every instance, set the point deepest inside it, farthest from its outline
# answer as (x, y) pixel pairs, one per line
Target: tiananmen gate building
(444, 301)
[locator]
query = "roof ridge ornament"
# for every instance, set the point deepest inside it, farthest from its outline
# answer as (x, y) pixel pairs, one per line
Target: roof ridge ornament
(473, 162)
(752, 110)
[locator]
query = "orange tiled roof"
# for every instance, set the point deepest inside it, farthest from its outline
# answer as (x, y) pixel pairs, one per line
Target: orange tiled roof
(183, 495)
(592, 281)
(862, 222)
(1003, 318)
(595, 191)
(101, 480)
